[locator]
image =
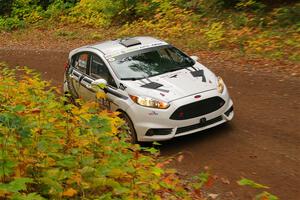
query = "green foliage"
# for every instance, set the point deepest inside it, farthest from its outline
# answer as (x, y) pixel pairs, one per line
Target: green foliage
(18, 13)
(11, 23)
(215, 34)
(201, 179)
(250, 27)
(6, 6)
(54, 151)
(169, 22)
(239, 20)
(287, 16)
(262, 196)
(92, 12)
(26, 10)
(16, 185)
(248, 182)
(56, 9)
(266, 196)
(250, 5)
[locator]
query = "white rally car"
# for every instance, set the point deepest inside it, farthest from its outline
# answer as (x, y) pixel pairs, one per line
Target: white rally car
(160, 91)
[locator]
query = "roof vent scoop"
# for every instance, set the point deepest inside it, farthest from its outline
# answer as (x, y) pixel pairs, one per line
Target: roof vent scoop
(129, 42)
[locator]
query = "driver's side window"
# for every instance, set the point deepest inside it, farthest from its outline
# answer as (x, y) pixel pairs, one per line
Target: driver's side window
(99, 70)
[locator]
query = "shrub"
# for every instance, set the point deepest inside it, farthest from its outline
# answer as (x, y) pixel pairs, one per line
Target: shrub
(11, 23)
(214, 34)
(54, 151)
(91, 12)
(287, 16)
(172, 23)
(26, 9)
(250, 5)
(102, 13)
(6, 7)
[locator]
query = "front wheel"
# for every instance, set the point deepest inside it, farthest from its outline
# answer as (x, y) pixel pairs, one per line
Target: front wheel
(132, 137)
(69, 99)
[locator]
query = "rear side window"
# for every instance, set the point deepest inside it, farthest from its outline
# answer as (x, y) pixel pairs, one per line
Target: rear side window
(81, 62)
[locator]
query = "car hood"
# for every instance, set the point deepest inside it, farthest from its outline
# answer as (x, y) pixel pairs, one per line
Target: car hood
(174, 85)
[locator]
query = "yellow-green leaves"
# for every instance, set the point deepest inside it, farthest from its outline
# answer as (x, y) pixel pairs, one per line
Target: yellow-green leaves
(58, 151)
(101, 95)
(16, 185)
(248, 182)
(261, 196)
(266, 196)
(215, 34)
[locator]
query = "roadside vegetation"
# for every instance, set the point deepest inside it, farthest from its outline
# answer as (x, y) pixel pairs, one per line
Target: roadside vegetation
(257, 28)
(49, 150)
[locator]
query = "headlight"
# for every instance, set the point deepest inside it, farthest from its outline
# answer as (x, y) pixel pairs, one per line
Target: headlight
(149, 102)
(221, 85)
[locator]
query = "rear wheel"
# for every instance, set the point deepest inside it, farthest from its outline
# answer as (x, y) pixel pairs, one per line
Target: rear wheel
(132, 137)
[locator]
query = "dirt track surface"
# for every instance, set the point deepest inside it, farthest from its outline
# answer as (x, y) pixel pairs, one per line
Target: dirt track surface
(261, 143)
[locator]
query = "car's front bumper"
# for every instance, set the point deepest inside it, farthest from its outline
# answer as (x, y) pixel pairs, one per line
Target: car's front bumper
(147, 118)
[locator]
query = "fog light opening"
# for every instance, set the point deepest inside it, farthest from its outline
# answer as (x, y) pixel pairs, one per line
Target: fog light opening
(160, 131)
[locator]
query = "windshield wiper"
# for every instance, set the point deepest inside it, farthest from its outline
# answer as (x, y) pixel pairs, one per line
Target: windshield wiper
(175, 69)
(132, 78)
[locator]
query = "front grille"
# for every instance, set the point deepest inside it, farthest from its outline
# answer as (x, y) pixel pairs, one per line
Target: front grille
(196, 126)
(198, 108)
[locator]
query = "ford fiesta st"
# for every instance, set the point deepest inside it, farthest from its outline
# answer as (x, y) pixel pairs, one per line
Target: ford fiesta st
(160, 91)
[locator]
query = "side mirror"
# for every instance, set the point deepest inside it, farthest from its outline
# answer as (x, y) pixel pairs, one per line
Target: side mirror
(99, 83)
(195, 58)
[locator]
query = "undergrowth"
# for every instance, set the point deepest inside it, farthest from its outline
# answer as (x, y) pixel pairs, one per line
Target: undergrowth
(248, 27)
(50, 150)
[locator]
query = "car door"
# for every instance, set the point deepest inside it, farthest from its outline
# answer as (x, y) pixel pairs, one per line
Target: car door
(97, 70)
(79, 68)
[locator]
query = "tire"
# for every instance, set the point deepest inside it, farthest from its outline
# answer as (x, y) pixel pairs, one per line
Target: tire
(69, 99)
(132, 133)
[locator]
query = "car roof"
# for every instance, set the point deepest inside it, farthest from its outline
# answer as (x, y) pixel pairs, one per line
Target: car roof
(121, 46)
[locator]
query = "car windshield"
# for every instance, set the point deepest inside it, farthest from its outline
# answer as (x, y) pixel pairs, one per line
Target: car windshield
(149, 62)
